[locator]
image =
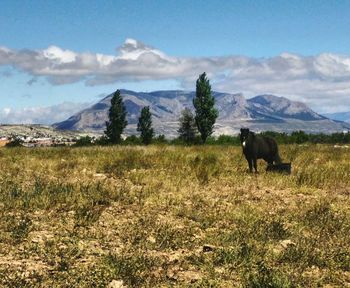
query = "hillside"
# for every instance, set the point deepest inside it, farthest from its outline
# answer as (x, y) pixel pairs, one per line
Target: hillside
(40, 135)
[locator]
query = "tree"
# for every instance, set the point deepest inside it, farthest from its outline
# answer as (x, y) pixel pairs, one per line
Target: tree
(188, 129)
(299, 137)
(203, 103)
(145, 126)
(117, 119)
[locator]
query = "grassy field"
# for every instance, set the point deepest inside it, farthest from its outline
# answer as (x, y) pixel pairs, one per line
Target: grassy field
(173, 217)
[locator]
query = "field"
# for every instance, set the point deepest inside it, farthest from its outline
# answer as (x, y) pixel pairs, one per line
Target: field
(172, 216)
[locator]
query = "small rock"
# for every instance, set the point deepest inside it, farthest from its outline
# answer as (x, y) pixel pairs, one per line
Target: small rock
(190, 276)
(286, 243)
(175, 256)
(219, 270)
(100, 175)
(116, 284)
(37, 239)
(171, 275)
(151, 239)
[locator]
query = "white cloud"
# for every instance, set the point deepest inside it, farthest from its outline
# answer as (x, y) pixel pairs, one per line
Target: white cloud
(43, 115)
(59, 56)
(322, 81)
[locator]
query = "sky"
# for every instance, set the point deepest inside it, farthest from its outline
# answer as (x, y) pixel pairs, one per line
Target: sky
(58, 57)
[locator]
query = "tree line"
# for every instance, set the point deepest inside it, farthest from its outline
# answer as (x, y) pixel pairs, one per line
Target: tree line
(297, 137)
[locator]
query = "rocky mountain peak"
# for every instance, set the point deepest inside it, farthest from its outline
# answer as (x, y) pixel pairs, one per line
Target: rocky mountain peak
(282, 107)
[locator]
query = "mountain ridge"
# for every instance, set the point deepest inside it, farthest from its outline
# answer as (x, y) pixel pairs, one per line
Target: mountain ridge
(339, 116)
(262, 112)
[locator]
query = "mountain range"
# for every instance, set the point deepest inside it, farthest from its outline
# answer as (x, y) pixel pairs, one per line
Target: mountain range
(341, 116)
(262, 112)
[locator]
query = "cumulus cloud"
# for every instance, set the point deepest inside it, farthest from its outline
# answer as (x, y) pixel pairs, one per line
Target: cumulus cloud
(321, 80)
(44, 115)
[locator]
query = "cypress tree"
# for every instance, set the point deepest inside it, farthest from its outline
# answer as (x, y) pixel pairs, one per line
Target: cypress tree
(203, 103)
(145, 126)
(117, 119)
(188, 129)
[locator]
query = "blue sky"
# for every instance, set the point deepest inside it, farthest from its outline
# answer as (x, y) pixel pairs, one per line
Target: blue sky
(297, 49)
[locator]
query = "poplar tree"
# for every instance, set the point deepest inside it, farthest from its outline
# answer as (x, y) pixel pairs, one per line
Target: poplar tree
(117, 119)
(145, 126)
(205, 111)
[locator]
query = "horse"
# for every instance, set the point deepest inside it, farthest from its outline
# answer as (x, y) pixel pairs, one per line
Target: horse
(258, 147)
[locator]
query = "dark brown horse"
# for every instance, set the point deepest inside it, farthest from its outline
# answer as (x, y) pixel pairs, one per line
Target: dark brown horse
(258, 147)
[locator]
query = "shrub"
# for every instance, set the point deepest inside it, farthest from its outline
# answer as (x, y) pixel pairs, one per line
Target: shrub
(15, 142)
(84, 141)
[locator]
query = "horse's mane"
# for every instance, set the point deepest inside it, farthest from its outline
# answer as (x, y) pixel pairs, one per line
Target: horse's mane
(252, 133)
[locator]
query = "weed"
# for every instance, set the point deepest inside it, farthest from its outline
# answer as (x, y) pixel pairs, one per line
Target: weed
(265, 276)
(87, 215)
(19, 227)
(135, 270)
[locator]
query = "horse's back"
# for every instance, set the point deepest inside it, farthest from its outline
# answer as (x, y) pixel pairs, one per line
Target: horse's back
(272, 144)
(266, 146)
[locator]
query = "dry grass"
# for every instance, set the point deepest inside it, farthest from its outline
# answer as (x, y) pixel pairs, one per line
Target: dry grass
(173, 217)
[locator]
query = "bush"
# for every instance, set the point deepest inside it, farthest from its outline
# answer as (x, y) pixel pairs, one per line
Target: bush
(132, 140)
(160, 139)
(228, 140)
(103, 140)
(84, 141)
(264, 276)
(15, 142)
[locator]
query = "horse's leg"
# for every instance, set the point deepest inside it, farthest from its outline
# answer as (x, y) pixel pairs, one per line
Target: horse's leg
(269, 164)
(255, 164)
(250, 163)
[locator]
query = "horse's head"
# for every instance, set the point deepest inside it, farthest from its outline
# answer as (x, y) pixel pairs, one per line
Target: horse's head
(244, 136)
